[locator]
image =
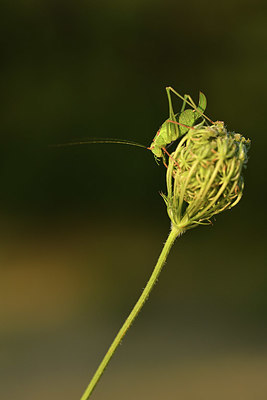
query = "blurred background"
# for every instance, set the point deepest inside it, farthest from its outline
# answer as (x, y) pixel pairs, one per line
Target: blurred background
(82, 226)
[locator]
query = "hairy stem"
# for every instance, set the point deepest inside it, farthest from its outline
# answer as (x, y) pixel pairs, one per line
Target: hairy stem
(133, 314)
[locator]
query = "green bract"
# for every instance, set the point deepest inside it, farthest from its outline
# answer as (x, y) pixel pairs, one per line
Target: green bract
(204, 175)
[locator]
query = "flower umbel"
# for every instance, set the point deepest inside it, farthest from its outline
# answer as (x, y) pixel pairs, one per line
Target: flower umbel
(204, 175)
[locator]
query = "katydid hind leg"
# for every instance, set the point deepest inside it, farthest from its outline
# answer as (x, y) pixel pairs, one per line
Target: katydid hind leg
(172, 131)
(171, 112)
(193, 104)
(186, 116)
(186, 96)
(201, 107)
(188, 100)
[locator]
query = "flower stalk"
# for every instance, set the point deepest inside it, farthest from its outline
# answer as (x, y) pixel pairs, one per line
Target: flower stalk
(174, 233)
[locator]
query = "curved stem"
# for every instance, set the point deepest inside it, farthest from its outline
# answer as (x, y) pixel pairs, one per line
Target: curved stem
(133, 314)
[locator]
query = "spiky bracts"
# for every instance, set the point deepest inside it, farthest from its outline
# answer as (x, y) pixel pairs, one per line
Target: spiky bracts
(204, 175)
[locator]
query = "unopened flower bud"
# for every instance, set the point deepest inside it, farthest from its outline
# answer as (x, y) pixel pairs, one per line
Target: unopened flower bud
(204, 175)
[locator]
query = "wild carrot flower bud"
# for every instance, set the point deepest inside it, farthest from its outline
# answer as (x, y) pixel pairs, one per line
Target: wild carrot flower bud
(204, 174)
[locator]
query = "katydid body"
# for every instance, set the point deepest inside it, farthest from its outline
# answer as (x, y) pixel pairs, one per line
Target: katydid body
(172, 129)
(177, 124)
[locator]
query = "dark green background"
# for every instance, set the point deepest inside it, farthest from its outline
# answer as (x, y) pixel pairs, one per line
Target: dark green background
(82, 226)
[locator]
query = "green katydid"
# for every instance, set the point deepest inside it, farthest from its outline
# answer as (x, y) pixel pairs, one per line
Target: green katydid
(178, 124)
(172, 129)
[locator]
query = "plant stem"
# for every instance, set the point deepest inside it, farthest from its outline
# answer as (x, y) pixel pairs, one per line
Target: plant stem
(174, 233)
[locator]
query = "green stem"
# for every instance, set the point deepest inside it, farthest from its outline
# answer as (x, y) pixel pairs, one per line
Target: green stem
(133, 314)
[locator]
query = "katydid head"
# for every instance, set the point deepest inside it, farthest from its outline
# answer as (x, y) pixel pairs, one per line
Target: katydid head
(156, 150)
